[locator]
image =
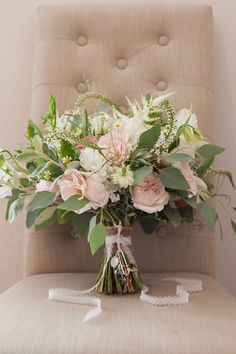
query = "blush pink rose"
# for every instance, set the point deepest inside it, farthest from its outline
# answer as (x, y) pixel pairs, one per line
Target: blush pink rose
(72, 183)
(187, 172)
(96, 192)
(150, 195)
(115, 147)
(89, 138)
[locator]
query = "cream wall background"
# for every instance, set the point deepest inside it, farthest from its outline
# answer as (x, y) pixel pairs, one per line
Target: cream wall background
(17, 29)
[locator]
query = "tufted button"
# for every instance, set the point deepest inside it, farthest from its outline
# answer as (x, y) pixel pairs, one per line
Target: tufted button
(82, 88)
(122, 63)
(163, 40)
(82, 40)
(162, 85)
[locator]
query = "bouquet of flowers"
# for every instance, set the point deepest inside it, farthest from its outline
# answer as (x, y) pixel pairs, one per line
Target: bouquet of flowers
(102, 169)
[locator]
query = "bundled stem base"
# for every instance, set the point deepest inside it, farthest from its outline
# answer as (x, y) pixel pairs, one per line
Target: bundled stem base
(118, 272)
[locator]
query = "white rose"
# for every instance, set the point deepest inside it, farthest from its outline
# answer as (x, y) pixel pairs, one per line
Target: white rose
(92, 161)
(43, 186)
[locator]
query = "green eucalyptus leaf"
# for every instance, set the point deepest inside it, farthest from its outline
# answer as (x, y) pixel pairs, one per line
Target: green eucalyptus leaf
(209, 214)
(178, 157)
(31, 217)
(45, 214)
(63, 216)
(149, 137)
(191, 202)
(148, 224)
(97, 237)
(73, 203)
(209, 151)
(41, 200)
(202, 170)
(141, 173)
(47, 222)
(173, 216)
(172, 178)
(80, 223)
(187, 213)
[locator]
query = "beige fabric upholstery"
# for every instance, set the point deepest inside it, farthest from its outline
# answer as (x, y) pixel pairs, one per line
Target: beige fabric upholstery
(29, 323)
(124, 49)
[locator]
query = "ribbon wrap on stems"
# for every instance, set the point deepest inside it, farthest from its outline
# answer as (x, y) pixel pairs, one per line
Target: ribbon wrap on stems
(120, 263)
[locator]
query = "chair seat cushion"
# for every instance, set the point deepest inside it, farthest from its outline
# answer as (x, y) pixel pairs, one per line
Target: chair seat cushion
(31, 324)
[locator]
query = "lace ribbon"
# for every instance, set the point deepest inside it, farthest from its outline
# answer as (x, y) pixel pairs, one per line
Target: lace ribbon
(183, 289)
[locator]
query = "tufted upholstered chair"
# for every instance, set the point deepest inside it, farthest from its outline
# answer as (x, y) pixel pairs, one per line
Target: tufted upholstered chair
(122, 49)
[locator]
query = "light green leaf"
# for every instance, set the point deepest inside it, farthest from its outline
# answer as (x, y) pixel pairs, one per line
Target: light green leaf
(182, 128)
(50, 118)
(47, 222)
(208, 150)
(172, 178)
(209, 214)
(37, 143)
(2, 160)
(80, 223)
(32, 130)
(15, 208)
(67, 149)
(97, 237)
(73, 203)
(45, 215)
(40, 169)
(178, 157)
(173, 216)
(27, 156)
(41, 200)
(50, 152)
(149, 137)
(141, 173)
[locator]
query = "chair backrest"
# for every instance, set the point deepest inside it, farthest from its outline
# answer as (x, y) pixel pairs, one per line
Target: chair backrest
(124, 49)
